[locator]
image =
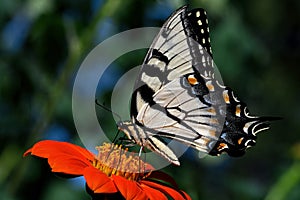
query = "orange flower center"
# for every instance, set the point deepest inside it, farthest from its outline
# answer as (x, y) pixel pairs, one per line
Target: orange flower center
(113, 160)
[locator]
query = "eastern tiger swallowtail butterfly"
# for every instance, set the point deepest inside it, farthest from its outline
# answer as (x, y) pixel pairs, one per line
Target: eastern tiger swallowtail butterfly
(177, 96)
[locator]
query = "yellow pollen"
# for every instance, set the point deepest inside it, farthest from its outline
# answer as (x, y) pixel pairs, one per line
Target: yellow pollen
(113, 160)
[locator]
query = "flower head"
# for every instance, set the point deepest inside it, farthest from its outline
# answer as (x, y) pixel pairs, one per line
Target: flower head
(114, 171)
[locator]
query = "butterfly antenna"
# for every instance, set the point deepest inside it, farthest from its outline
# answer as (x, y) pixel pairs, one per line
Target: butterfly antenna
(115, 138)
(140, 153)
(140, 160)
(107, 109)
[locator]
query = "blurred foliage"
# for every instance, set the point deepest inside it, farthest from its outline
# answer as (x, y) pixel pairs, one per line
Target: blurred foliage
(256, 47)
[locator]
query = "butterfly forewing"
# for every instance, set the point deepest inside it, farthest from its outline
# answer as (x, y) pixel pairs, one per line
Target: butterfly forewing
(174, 52)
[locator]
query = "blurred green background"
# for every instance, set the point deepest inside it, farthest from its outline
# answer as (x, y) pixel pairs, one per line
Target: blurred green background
(256, 47)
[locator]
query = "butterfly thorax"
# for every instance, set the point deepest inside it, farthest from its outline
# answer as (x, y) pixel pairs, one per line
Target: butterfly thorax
(132, 131)
(145, 137)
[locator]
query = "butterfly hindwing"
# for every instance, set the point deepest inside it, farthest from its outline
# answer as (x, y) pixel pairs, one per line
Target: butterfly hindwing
(179, 114)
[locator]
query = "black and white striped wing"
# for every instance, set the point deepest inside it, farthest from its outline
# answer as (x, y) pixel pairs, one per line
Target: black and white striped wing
(179, 114)
(181, 47)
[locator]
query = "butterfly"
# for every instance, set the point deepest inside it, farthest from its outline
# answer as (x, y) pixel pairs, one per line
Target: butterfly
(177, 95)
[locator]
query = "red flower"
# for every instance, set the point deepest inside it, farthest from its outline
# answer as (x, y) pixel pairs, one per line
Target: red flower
(113, 171)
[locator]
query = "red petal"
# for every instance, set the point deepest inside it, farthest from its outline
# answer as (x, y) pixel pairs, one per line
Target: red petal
(27, 152)
(68, 164)
(186, 195)
(177, 195)
(153, 194)
(98, 181)
(47, 148)
(161, 176)
(62, 156)
(129, 189)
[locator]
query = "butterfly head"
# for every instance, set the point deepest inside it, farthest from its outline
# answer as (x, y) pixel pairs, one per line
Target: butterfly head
(133, 131)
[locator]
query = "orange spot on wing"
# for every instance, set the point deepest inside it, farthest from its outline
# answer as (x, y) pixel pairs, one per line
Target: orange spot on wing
(211, 110)
(192, 80)
(226, 97)
(222, 146)
(237, 111)
(240, 140)
(210, 87)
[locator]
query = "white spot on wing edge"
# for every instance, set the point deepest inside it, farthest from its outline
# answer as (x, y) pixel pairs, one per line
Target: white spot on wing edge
(234, 97)
(246, 113)
(246, 143)
(199, 22)
(247, 125)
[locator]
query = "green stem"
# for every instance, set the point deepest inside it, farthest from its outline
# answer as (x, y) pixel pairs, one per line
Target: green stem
(285, 184)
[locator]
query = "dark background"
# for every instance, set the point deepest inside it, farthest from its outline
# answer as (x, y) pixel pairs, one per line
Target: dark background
(256, 47)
